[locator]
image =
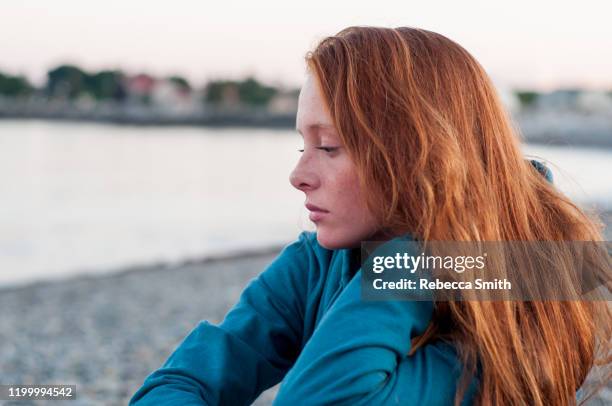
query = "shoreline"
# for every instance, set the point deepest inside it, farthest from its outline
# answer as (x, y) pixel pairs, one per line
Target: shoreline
(146, 267)
(254, 120)
(532, 132)
(237, 254)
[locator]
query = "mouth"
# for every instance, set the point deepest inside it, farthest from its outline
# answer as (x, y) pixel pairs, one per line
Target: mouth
(314, 208)
(316, 213)
(315, 216)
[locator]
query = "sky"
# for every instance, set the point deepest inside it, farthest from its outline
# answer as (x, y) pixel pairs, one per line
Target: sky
(535, 44)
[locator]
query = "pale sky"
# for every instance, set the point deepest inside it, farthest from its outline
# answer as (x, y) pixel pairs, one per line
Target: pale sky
(539, 44)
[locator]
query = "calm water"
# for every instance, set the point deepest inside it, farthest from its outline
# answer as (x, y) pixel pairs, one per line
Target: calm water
(81, 198)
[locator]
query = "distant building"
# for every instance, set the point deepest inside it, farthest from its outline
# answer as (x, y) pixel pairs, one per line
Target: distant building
(563, 99)
(230, 97)
(597, 102)
(140, 86)
(165, 95)
(173, 98)
(284, 103)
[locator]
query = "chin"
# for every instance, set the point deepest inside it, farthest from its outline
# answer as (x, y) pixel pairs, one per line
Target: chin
(335, 240)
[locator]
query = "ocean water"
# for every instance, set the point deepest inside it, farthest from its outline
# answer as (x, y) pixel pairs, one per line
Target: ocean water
(81, 198)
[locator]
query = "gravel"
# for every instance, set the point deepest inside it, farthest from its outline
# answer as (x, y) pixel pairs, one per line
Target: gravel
(106, 333)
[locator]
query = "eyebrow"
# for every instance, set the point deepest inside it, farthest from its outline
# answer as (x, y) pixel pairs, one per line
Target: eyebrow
(317, 126)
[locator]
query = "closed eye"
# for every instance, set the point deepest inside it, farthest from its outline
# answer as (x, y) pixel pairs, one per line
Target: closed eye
(326, 149)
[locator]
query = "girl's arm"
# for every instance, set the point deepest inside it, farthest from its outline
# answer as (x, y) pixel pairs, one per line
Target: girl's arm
(250, 351)
(358, 356)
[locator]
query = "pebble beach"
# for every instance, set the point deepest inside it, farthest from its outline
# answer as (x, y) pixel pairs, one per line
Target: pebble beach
(106, 333)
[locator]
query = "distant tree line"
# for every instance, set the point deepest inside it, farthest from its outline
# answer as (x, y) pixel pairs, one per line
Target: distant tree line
(248, 91)
(71, 82)
(526, 97)
(14, 86)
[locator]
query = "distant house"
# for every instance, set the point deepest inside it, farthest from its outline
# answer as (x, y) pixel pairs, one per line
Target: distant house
(284, 103)
(173, 98)
(597, 102)
(230, 96)
(165, 95)
(139, 87)
(562, 99)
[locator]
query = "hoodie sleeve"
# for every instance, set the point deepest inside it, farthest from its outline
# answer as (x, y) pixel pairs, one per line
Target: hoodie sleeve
(248, 352)
(542, 169)
(358, 356)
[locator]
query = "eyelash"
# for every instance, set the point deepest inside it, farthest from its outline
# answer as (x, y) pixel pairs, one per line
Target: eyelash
(326, 149)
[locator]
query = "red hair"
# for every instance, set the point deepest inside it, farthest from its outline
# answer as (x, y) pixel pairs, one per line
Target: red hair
(441, 159)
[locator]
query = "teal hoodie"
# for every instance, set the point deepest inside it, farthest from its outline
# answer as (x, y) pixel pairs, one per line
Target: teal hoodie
(302, 322)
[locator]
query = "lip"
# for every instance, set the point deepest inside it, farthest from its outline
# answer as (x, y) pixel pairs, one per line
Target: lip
(312, 207)
(315, 216)
(316, 213)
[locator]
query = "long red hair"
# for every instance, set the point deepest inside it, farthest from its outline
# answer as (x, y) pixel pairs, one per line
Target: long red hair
(441, 159)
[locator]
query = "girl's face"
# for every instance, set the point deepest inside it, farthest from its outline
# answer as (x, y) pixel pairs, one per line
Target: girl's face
(328, 177)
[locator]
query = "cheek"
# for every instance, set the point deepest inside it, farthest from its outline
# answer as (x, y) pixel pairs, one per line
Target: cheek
(349, 196)
(351, 222)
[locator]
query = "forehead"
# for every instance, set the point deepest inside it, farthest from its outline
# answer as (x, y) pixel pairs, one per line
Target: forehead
(312, 111)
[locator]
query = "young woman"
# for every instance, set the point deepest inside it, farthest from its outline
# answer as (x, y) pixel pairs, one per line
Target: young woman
(403, 135)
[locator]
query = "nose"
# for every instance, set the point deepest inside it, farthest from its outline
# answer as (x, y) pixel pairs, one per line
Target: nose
(303, 177)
